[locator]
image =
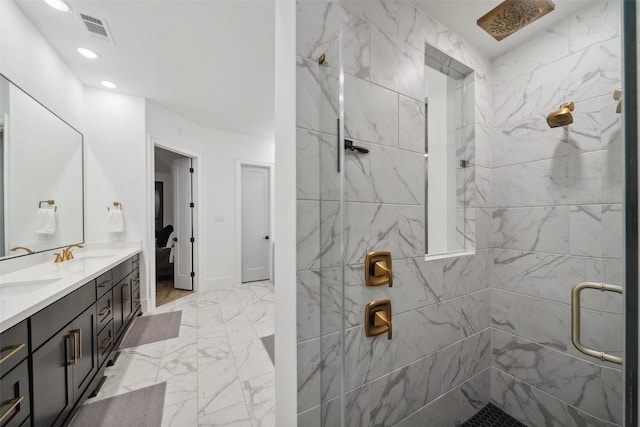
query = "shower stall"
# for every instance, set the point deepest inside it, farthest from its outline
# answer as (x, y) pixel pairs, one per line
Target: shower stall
(470, 215)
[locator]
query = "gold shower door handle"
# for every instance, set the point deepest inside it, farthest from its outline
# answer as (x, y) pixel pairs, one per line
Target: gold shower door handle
(575, 319)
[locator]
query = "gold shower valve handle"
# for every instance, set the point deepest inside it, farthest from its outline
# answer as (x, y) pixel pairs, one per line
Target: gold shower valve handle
(377, 318)
(378, 269)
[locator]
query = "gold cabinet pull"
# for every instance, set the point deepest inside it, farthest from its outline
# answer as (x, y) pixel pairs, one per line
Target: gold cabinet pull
(72, 337)
(575, 319)
(125, 294)
(78, 348)
(105, 310)
(14, 349)
(105, 283)
(14, 403)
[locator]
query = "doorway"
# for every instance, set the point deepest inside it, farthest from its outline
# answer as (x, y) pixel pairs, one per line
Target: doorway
(174, 225)
(255, 220)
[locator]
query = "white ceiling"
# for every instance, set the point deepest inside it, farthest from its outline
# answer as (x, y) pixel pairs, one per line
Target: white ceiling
(210, 61)
(460, 16)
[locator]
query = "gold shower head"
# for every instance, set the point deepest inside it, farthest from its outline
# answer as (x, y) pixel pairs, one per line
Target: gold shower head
(562, 116)
(513, 15)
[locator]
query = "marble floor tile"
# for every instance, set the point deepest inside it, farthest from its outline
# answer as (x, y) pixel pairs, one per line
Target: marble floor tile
(217, 370)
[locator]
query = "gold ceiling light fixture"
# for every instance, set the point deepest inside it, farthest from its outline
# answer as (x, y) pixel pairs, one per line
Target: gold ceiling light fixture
(513, 15)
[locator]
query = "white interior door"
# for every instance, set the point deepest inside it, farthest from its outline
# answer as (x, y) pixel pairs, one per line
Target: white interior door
(255, 223)
(183, 228)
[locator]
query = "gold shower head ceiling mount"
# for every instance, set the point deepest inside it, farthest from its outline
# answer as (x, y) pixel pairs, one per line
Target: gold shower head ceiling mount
(513, 15)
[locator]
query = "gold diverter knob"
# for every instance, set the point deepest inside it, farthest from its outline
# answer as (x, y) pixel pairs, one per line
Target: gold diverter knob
(378, 269)
(377, 318)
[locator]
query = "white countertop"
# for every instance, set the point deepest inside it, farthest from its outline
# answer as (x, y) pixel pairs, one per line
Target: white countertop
(25, 291)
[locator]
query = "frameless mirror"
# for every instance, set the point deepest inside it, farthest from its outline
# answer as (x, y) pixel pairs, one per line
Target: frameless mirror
(449, 155)
(41, 176)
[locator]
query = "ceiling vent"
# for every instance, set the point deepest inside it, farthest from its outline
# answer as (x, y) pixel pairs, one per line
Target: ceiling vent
(96, 27)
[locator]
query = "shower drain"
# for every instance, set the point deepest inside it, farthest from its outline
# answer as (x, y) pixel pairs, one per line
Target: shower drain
(492, 416)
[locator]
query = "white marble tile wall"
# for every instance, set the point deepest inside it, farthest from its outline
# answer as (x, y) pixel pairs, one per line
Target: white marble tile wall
(437, 364)
(557, 221)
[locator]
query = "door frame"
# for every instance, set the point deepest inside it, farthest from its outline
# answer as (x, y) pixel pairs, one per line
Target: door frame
(239, 164)
(150, 259)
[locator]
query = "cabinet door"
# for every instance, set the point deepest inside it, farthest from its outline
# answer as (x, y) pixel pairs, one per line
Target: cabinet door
(127, 300)
(87, 350)
(52, 379)
(14, 396)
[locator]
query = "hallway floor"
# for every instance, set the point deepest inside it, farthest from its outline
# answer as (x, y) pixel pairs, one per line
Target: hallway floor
(165, 292)
(217, 371)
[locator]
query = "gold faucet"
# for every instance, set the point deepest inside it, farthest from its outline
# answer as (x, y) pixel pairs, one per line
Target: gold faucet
(66, 253)
(17, 248)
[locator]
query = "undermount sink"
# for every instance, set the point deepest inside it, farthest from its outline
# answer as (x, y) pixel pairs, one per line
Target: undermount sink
(24, 287)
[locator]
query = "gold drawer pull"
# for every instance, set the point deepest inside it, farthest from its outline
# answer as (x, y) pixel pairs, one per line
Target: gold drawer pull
(14, 403)
(14, 349)
(107, 342)
(105, 310)
(575, 319)
(103, 284)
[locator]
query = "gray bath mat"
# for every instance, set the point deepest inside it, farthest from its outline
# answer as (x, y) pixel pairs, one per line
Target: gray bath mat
(148, 329)
(269, 343)
(140, 408)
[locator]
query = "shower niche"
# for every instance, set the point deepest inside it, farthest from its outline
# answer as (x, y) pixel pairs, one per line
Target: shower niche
(449, 156)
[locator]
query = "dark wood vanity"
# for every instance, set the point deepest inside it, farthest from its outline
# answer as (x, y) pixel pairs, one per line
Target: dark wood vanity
(52, 361)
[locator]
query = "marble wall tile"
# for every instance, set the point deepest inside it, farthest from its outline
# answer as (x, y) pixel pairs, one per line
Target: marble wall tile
(307, 94)
(594, 24)
(400, 393)
(475, 312)
(578, 418)
(315, 36)
(542, 321)
(411, 231)
(466, 274)
(356, 409)
(369, 227)
(441, 412)
(580, 76)
(525, 403)
(585, 230)
(396, 65)
(411, 125)
(329, 236)
(475, 394)
(485, 188)
(572, 380)
(370, 112)
(310, 418)
(309, 385)
(602, 331)
(612, 237)
(397, 176)
(357, 176)
(307, 164)
(612, 175)
(380, 13)
(308, 235)
(543, 229)
(484, 228)
(464, 359)
(415, 27)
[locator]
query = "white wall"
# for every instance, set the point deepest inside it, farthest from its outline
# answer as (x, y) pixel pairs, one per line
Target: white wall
(217, 152)
(27, 59)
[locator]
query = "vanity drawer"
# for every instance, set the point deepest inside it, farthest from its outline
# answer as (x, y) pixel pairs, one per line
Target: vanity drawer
(49, 320)
(122, 270)
(105, 310)
(15, 397)
(105, 343)
(14, 346)
(104, 283)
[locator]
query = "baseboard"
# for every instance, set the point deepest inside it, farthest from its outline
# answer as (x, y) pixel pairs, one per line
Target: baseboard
(218, 283)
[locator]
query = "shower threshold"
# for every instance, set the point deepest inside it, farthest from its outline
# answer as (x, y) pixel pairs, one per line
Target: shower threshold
(490, 416)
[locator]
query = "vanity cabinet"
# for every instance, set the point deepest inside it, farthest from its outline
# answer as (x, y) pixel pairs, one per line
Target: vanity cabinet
(52, 361)
(14, 376)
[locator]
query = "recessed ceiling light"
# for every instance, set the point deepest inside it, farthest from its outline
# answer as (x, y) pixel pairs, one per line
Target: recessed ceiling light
(110, 85)
(60, 5)
(87, 53)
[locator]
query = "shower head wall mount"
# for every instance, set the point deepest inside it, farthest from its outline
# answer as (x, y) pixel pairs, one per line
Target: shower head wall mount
(562, 116)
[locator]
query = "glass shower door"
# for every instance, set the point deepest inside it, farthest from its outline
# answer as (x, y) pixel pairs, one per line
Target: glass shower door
(331, 168)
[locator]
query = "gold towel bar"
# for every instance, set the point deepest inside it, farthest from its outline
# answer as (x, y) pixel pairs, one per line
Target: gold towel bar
(575, 319)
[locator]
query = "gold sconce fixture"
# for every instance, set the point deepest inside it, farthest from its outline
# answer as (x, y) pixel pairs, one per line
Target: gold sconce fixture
(117, 205)
(48, 202)
(562, 116)
(377, 269)
(377, 318)
(617, 96)
(513, 15)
